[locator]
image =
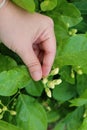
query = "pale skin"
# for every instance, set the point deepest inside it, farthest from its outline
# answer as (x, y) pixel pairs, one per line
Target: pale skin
(31, 36)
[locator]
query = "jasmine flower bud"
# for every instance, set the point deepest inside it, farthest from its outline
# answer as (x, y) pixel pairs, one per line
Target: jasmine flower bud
(55, 71)
(72, 74)
(79, 72)
(45, 80)
(48, 92)
(51, 84)
(5, 108)
(1, 116)
(57, 81)
(0, 110)
(13, 112)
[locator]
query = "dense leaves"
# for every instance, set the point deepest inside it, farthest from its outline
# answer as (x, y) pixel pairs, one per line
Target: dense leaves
(24, 104)
(31, 114)
(72, 120)
(48, 5)
(34, 88)
(29, 5)
(12, 80)
(64, 92)
(7, 126)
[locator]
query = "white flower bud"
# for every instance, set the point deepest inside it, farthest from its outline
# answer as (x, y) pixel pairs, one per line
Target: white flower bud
(5, 108)
(1, 116)
(57, 81)
(51, 85)
(79, 72)
(45, 80)
(72, 74)
(78, 66)
(68, 25)
(48, 92)
(55, 71)
(13, 112)
(48, 108)
(72, 32)
(0, 110)
(85, 115)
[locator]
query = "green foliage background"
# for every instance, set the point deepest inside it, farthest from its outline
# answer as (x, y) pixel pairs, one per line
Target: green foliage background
(67, 109)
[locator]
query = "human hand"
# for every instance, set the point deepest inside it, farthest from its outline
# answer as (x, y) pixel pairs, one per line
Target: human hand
(31, 36)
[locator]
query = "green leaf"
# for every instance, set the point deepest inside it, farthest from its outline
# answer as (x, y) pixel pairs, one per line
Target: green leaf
(12, 80)
(60, 126)
(65, 73)
(53, 116)
(84, 94)
(82, 100)
(48, 5)
(29, 5)
(70, 14)
(84, 125)
(30, 114)
(81, 83)
(78, 102)
(7, 126)
(34, 88)
(64, 92)
(6, 63)
(74, 52)
(82, 6)
(61, 29)
(82, 26)
(72, 121)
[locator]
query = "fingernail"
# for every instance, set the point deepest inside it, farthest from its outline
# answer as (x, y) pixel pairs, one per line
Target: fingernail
(36, 75)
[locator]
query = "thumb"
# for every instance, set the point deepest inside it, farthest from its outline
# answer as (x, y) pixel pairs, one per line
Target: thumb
(33, 64)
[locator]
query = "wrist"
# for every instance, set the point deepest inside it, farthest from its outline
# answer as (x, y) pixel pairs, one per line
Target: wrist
(4, 15)
(3, 3)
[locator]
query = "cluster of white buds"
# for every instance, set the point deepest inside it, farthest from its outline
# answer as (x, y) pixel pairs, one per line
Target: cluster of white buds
(48, 85)
(78, 69)
(72, 32)
(3, 109)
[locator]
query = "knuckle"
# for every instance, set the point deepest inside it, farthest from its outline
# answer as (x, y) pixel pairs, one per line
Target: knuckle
(34, 66)
(50, 22)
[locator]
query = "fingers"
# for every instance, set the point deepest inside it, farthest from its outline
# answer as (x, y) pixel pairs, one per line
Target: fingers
(49, 46)
(33, 64)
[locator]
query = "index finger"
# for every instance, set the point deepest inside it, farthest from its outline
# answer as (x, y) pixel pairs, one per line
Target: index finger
(49, 47)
